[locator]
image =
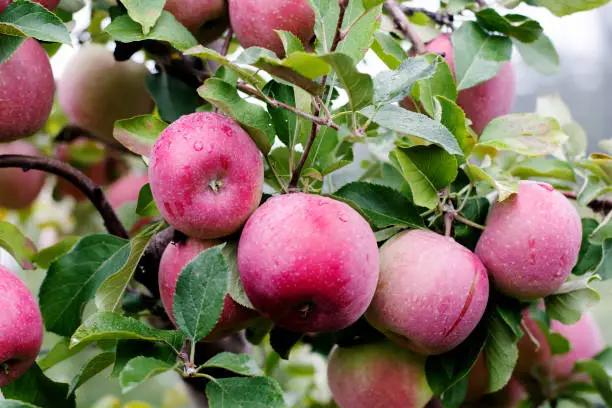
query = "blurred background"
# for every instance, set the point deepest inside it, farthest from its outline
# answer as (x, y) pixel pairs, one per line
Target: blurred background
(583, 41)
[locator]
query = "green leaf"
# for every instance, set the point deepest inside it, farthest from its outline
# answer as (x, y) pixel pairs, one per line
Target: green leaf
(37, 389)
(73, 279)
(540, 55)
(591, 253)
(139, 370)
(600, 378)
(27, 19)
(382, 205)
(166, 29)
(255, 392)
(15, 404)
(523, 133)
(455, 395)
(393, 86)
(326, 19)
(283, 340)
(146, 207)
(573, 298)
(362, 23)
(548, 167)
(110, 293)
(368, 4)
(46, 256)
(60, 352)
(111, 326)
(454, 119)
(91, 369)
(455, 6)
(200, 291)
(18, 245)
(139, 134)
(234, 284)
(130, 349)
(285, 121)
(481, 56)
(414, 124)
(207, 53)
(426, 169)
(520, 27)
(505, 187)
(388, 50)
(291, 43)
(565, 7)
(173, 97)
(241, 364)
(605, 268)
(441, 84)
(359, 86)
(8, 45)
(253, 118)
(144, 12)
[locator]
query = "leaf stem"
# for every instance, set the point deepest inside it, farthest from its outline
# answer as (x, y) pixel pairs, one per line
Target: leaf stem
(404, 25)
(468, 222)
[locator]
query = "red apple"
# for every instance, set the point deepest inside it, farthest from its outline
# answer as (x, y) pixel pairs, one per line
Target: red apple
(195, 13)
(48, 4)
(18, 188)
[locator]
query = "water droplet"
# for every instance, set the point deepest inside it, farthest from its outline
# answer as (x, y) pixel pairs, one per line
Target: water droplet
(322, 203)
(197, 146)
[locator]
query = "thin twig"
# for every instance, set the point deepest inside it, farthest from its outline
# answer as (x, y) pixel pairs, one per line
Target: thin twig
(227, 42)
(444, 19)
(403, 24)
(92, 190)
(295, 178)
(468, 222)
(599, 206)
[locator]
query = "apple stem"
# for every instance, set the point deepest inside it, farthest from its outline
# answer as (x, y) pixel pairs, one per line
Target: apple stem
(404, 25)
(4, 367)
(216, 185)
(87, 186)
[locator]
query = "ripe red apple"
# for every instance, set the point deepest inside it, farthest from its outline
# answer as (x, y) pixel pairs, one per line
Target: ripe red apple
(206, 175)
(126, 189)
(195, 13)
(255, 22)
(21, 329)
(26, 91)
(19, 189)
(95, 90)
(531, 241)
(377, 375)
(484, 102)
(309, 263)
(234, 317)
(431, 294)
(585, 339)
(48, 4)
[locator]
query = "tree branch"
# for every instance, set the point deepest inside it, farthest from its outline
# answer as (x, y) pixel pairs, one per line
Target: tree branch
(599, 205)
(93, 191)
(403, 24)
(444, 19)
(227, 42)
(72, 132)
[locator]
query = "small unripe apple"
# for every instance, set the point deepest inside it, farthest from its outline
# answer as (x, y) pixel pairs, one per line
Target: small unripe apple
(484, 102)
(307, 262)
(234, 317)
(26, 91)
(431, 294)
(531, 241)
(255, 22)
(18, 188)
(206, 175)
(95, 90)
(377, 375)
(195, 13)
(48, 4)
(21, 329)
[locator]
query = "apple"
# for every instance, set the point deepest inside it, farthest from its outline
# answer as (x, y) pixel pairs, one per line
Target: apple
(309, 263)
(95, 90)
(206, 175)
(26, 91)
(126, 189)
(193, 14)
(377, 375)
(234, 317)
(21, 328)
(531, 241)
(255, 22)
(48, 4)
(431, 294)
(18, 188)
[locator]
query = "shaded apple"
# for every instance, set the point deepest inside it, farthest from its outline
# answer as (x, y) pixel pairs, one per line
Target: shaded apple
(234, 317)
(206, 19)
(21, 329)
(206, 175)
(431, 294)
(95, 90)
(126, 189)
(511, 396)
(26, 91)
(18, 188)
(377, 375)
(255, 22)
(531, 241)
(48, 4)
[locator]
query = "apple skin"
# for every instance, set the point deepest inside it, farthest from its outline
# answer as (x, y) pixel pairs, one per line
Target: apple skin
(431, 294)
(234, 317)
(126, 189)
(377, 375)
(21, 328)
(19, 189)
(48, 4)
(95, 90)
(195, 13)
(510, 396)
(531, 241)
(484, 102)
(206, 175)
(309, 263)
(26, 92)
(254, 22)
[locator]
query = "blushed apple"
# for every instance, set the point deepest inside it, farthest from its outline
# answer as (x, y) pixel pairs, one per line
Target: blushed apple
(18, 188)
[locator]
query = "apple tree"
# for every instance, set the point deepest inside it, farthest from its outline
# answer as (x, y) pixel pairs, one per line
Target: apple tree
(212, 187)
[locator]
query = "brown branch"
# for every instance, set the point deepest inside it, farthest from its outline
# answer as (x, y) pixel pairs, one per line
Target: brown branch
(72, 132)
(400, 19)
(227, 42)
(598, 205)
(92, 190)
